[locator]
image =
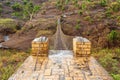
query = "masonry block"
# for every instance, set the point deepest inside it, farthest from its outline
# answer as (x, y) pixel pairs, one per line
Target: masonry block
(81, 47)
(40, 46)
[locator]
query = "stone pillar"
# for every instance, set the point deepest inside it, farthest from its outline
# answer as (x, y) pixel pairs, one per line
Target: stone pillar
(81, 47)
(40, 47)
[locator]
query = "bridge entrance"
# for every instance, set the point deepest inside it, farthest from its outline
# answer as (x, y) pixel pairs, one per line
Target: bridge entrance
(60, 63)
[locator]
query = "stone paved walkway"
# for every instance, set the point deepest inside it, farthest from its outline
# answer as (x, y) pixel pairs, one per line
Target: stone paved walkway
(60, 65)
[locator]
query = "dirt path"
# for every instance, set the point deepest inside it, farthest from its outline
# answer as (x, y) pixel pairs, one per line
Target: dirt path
(59, 41)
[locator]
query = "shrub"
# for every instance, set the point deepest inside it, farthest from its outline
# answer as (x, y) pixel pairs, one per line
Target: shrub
(25, 1)
(106, 59)
(78, 26)
(83, 6)
(112, 36)
(80, 12)
(109, 63)
(116, 76)
(7, 3)
(17, 7)
(103, 2)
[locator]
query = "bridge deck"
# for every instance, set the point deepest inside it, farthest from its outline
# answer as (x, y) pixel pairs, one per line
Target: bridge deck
(60, 65)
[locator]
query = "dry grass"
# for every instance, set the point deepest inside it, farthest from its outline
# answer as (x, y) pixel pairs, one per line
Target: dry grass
(44, 32)
(10, 60)
(8, 23)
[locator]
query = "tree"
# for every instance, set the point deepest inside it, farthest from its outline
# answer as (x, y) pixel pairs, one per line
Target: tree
(30, 9)
(25, 10)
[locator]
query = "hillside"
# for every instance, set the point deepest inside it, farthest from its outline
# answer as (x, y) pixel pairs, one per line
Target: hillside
(91, 19)
(96, 20)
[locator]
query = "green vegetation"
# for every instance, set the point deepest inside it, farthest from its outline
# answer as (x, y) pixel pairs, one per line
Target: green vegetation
(78, 25)
(115, 6)
(105, 12)
(88, 18)
(82, 8)
(44, 32)
(10, 60)
(17, 7)
(116, 77)
(1, 8)
(109, 59)
(61, 4)
(113, 38)
(103, 2)
(30, 9)
(7, 3)
(25, 10)
(8, 23)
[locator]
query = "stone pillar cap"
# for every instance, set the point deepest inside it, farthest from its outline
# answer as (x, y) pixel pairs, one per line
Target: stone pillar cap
(41, 39)
(81, 39)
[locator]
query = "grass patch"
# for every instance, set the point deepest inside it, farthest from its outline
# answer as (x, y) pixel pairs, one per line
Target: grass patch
(10, 60)
(8, 23)
(110, 60)
(44, 32)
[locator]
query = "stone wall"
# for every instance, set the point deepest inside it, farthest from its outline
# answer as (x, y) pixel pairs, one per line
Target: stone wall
(81, 47)
(40, 46)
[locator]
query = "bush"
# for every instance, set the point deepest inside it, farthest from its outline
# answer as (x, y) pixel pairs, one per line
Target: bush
(116, 76)
(112, 36)
(78, 26)
(103, 2)
(7, 3)
(80, 12)
(83, 6)
(107, 60)
(109, 63)
(17, 7)
(25, 1)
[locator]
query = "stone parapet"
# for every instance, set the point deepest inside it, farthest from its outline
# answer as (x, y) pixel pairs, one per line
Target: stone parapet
(81, 47)
(40, 46)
